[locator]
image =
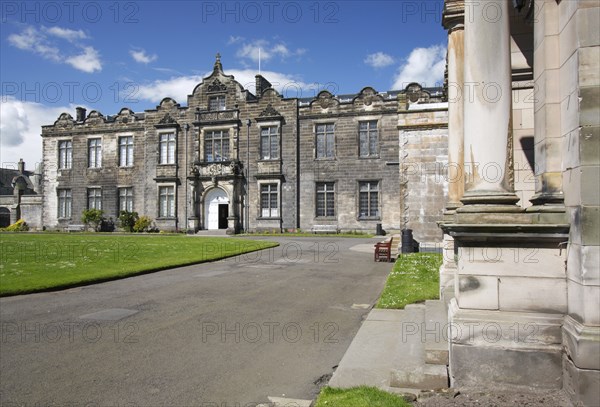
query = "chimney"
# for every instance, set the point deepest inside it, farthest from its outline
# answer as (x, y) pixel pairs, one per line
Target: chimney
(21, 166)
(80, 113)
(261, 85)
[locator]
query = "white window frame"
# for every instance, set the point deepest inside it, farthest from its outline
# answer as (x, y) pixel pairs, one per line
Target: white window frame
(126, 198)
(94, 199)
(325, 193)
(64, 203)
(223, 142)
(270, 211)
(167, 147)
(126, 150)
(372, 150)
(94, 152)
(369, 191)
(170, 210)
(329, 138)
(219, 105)
(273, 132)
(65, 154)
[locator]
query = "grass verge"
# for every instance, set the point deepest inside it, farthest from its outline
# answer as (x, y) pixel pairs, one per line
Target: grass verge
(362, 396)
(414, 278)
(39, 262)
(307, 234)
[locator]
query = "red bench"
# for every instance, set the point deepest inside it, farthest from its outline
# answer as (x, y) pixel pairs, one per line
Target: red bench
(383, 250)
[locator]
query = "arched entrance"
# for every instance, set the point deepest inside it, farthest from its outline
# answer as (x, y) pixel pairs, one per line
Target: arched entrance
(216, 209)
(4, 217)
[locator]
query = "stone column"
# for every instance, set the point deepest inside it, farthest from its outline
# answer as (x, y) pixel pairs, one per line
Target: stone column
(487, 106)
(453, 21)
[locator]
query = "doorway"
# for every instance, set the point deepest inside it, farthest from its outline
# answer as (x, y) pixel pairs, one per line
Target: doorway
(216, 209)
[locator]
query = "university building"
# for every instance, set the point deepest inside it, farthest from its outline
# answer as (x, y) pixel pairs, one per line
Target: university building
(239, 161)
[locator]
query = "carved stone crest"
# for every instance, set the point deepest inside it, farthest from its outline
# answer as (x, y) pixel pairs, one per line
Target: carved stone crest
(167, 119)
(216, 86)
(269, 112)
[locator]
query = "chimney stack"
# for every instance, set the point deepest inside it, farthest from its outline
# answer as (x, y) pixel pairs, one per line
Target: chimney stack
(21, 166)
(80, 113)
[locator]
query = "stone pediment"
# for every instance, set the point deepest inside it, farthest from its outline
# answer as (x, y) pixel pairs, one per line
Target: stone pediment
(216, 86)
(64, 120)
(269, 111)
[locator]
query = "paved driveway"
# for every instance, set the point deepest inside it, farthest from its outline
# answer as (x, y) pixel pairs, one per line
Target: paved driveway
(229, 333)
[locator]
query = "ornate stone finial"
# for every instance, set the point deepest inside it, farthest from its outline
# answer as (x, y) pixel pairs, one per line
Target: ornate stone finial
(218, 67)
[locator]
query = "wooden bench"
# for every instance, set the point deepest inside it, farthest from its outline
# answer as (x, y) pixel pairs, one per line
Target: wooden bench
(324, 229)
(383, 250)
(75, 228)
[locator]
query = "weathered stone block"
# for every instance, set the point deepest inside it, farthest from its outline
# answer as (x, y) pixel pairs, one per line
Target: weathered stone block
(477, 292)
(531, 294)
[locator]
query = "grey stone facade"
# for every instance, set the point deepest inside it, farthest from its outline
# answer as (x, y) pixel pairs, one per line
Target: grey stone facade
(233, 160)
(20, 196)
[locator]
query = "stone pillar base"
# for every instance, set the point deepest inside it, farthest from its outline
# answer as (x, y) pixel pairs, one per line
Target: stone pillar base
(232, 225)
(193, 225)
(581, 362)
(504, 350)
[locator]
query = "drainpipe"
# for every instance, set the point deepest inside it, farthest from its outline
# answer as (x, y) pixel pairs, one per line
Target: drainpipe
(248, 122)
(186, 127)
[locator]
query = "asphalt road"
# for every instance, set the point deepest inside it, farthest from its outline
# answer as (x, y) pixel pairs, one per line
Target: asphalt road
(229, 333)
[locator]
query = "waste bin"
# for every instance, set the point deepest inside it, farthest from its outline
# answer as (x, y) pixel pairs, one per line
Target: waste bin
(378, 230)
(407, 241)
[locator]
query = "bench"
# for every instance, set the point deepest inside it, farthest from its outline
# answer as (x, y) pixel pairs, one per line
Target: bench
(75, 228)
(324, 229)
(383, 250)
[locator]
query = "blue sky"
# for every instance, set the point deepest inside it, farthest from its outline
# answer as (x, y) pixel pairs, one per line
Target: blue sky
(106, 55)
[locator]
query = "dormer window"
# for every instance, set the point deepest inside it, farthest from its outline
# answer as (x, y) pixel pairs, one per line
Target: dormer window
(216, 103)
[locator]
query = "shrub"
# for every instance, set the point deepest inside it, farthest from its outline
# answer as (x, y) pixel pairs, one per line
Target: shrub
(93, 217)
(128, 220)
(142, 224)
(18, 226)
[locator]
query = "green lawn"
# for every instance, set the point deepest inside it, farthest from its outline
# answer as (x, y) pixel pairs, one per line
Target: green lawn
(308, 234)
(37, 262)
(362, 396)
(414, 278)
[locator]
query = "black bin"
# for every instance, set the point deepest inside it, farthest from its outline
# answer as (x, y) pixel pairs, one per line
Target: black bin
(408, 245)
(378, 229)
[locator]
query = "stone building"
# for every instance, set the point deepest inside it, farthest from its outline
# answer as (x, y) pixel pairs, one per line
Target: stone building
(522, 272)
(239, 161)
(20, 196)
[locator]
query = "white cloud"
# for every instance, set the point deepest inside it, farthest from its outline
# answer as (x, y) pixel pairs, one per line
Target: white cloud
(234, 39)
(37, 41)
(142, 57)
(180, 87)
(32, 40)
(66, 33)
(423, 65)
(379, 60)
(267, 50)
(20, 129)
(88, 61)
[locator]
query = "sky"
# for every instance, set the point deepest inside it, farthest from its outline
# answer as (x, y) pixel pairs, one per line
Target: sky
(106, 55)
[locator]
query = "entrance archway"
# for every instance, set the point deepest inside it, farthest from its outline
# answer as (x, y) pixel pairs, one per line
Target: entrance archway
(216, 209)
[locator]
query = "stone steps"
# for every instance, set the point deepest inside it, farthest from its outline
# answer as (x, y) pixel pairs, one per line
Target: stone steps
(436, 335)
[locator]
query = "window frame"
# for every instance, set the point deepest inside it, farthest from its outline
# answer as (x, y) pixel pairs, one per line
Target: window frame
(270, 136)
(325, 133)
(169, 142)
(274, 189)
(208, 136)
(64, 203)
(372, 150)
(326, 191)
(127, 198)
(128, 161)
(65, 154)
(171, 208)
(369, 192)
(94, 151)
(97, 198)
(219, 106)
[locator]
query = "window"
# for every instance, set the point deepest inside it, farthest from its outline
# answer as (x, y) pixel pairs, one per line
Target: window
(368, 139)
(216, 146)
(325, 140)
(94, 198)
(65, 154)
(325, 199)
(216, 103)
(268, 201)
(166, 207)
(64, 203)
(269, 143)
(95, 153)
(125, 151)
(368, 200)
(167, 148)
(126, 199)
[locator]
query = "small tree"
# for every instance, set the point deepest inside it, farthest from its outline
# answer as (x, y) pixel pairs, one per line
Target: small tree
(143, 224)
(93, 217)
(128, 220)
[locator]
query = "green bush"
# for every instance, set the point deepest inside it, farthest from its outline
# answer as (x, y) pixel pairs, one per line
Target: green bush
(93, 217)
(128, 220)
(18, 226)
(142, 224)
